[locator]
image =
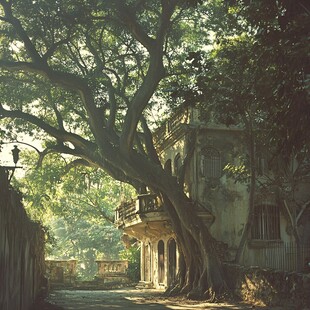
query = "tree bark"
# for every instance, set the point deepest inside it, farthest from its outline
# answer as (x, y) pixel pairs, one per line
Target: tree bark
(202, 276)
(251, 214)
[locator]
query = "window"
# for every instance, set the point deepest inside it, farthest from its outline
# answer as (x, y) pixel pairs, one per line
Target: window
(172, 261)
(177, 164)
(210, 163)
(266, 224)
(168, 166)
(161, 261)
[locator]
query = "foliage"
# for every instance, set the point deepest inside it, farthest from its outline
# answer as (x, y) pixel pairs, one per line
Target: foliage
(76, 206)
(257, 69)
(84, 76)
(256, 77)
(238, 173)
(132, 254)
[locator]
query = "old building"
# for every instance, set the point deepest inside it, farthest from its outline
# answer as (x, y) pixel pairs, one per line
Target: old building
(198, 153)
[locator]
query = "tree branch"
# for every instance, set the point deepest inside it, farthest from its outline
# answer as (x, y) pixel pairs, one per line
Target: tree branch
(60, 135)
(303, 208)
(149, 141)
(66, 80)
(154, 74)
(49, 53)
(127, 16)
(76, 163)
(57, 113)
(34, 55)
(293, 223)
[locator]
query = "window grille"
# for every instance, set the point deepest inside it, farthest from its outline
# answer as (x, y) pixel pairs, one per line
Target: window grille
(210, 163)
(266, 224)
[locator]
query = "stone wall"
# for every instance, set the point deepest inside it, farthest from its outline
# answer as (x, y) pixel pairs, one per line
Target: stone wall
(61, 272)
(114, 271)
(21, 251)
(269, 287)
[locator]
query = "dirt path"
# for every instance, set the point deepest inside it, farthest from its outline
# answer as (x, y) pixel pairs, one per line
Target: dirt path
(129, 299)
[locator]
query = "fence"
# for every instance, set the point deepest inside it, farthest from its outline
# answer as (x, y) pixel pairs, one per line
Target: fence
(279, 256)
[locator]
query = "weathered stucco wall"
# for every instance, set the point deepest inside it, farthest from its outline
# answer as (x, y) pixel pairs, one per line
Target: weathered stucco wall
(21, 251)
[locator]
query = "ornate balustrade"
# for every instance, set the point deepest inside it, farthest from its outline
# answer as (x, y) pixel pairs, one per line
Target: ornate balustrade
(170, 128)
(148, 203)
(130, 211)
(112, 271)
(126, 211)
(112, 267)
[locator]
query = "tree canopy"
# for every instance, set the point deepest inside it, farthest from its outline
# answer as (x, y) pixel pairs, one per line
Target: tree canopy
(258, 66)
(76, 207)
(85, 76)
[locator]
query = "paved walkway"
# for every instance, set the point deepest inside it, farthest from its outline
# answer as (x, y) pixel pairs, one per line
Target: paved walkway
(131, 298)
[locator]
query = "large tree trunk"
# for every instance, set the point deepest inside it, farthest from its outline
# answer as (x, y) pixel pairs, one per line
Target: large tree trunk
(201, 274)
(111, 144)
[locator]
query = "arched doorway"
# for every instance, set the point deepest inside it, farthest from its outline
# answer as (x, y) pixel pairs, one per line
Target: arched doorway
(161, 261)
(172, 260)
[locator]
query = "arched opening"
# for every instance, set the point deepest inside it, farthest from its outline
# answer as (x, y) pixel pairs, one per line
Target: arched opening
(177, 165)
(161, 261)
(172, 261)
(168, 166)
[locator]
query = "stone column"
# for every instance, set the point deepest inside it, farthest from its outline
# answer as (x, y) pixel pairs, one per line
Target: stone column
(142, 261)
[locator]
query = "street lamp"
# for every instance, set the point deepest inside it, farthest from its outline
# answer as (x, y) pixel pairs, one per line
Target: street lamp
(15, 152)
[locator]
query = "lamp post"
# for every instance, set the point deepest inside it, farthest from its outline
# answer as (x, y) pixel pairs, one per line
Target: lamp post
(11, 169)
(15, 153)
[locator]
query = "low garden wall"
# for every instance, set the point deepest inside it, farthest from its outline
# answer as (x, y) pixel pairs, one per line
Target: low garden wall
(21, 251)
(269, 287)
(111, 274)
(113, 271)
(61, 272)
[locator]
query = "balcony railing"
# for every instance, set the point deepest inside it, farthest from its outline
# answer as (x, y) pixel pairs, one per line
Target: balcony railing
(148, 203)
(171, 125)
(128, 211)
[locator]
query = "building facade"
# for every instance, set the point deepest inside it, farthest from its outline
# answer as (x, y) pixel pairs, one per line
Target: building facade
(201, 154)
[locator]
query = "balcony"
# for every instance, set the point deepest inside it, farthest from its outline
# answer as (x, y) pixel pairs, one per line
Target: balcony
(145, 206)
(145, 217)
(171, 129)
(142, 217)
